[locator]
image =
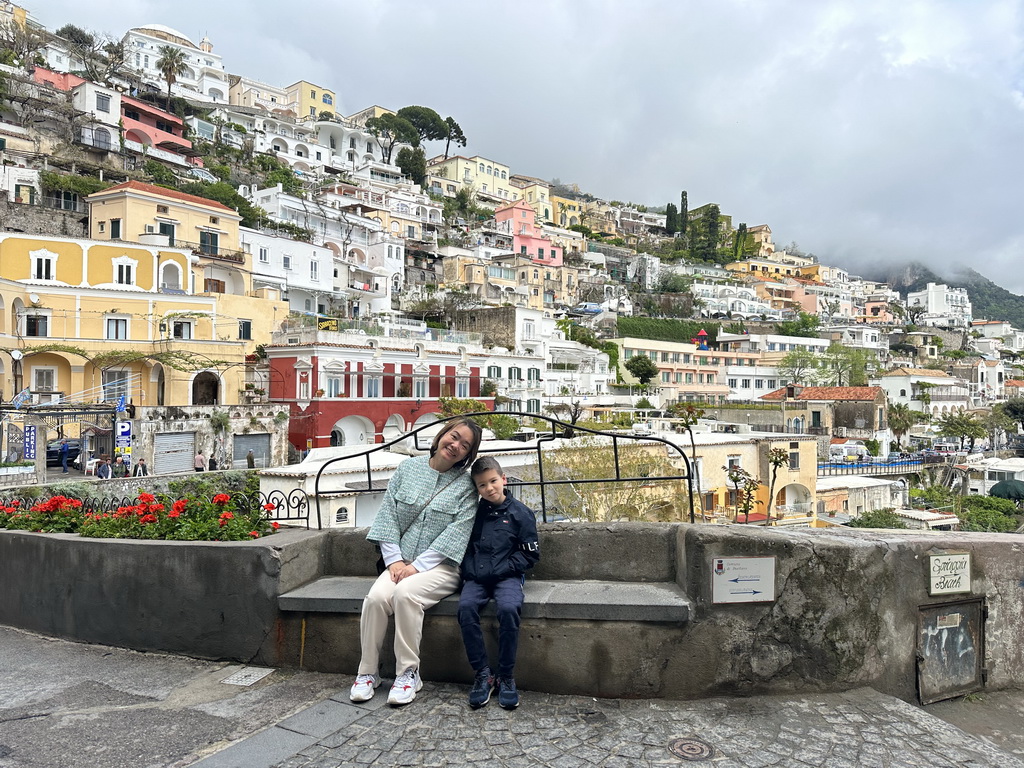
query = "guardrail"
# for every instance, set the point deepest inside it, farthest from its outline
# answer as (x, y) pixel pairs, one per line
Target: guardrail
(881, 468)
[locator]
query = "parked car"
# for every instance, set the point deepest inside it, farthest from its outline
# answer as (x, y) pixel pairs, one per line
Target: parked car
(53, 452)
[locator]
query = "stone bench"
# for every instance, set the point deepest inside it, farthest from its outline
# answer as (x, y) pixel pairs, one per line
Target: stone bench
(600, 614)
(543, 599)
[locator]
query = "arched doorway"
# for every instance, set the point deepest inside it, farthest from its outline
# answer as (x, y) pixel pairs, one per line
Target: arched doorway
(353, 430)
(206, 389)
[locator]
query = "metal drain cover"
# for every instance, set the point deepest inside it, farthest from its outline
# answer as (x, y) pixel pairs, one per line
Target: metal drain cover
(247, 675)
(691, 749)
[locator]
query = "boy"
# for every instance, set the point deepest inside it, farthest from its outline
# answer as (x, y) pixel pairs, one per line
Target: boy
(502, 546)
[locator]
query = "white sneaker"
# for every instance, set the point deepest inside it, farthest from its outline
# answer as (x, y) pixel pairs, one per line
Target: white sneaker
(406, 686)
(363, 688)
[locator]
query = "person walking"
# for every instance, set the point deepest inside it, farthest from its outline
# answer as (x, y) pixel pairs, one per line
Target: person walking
(250, 459)
(141, 470)
(64, 455)
(103, 469)
(200, 462)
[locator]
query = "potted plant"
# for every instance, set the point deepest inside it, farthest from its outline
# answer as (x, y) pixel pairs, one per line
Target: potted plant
(319, 393)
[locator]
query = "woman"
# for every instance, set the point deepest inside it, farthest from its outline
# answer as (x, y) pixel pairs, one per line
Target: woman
(422, 528)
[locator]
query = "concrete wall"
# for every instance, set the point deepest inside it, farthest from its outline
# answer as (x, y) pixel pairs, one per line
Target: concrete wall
(846, 612)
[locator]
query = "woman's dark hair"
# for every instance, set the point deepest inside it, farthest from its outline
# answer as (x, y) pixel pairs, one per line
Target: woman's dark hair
(474, 430)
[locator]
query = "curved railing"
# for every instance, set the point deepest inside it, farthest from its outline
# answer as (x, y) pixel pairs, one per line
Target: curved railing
(558, 428)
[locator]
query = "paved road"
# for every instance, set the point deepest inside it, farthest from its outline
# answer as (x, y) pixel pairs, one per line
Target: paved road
(69, 704)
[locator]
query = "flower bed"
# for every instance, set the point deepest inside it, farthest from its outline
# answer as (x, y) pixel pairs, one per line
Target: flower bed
(222, 518)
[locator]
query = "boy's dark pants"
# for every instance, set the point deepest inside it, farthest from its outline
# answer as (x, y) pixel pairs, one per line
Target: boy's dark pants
(508, 599)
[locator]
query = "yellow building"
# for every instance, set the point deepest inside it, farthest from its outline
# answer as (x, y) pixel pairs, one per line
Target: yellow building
(601, 216)
(89, 321)
(490, 181)
(568, 212)
(537, 193)
(311, 99)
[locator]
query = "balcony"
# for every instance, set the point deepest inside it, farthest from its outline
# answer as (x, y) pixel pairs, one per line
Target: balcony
(210, 251)
(174, 289)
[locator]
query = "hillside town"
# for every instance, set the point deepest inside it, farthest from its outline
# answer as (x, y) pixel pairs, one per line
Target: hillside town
(233, 269)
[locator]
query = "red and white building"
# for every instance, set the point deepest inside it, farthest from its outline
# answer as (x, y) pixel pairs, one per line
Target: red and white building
(345, 388)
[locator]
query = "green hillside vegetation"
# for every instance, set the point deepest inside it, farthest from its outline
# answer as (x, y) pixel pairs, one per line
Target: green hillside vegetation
(666, 329)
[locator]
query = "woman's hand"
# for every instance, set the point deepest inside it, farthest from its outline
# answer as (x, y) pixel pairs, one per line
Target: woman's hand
(395, 569)
(399, 570)
(407, 570)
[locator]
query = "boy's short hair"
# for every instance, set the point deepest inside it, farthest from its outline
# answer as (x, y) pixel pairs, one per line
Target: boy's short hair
(483, 464)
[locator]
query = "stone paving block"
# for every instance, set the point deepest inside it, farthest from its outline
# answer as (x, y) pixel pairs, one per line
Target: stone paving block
(263, 750)
(322, 719)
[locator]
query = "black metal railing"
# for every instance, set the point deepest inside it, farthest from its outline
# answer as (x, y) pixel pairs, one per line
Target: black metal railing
(558, 428)
(292, 506)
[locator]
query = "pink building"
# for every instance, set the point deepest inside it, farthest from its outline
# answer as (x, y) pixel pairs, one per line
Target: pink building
(520, 220)
(153, 127)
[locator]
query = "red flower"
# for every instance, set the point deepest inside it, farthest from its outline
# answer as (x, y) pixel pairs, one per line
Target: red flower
(179, 506)
(147, 498)
(147, 519)
(254, 534)
(174, 513)
(275, 525)
(226, 516)
(221, 498)
(270, 507)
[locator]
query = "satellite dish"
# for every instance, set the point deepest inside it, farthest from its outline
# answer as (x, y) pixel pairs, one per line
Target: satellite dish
(17, 354)
(34, 298)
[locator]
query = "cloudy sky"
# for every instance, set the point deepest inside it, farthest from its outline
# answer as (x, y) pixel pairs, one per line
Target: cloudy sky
(868, 131)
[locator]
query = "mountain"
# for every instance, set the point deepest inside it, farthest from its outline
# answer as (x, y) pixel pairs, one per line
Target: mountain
(988, 300)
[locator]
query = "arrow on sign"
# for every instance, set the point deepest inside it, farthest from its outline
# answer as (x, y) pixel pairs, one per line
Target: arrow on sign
(751, 592)
(734, 581)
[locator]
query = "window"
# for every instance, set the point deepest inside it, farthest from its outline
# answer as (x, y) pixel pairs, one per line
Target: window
(115, 384)
(758, 383)
(102, 102)
(666, 377)
(533, 374)
(117, 328)
(462, 386)
(245, 329)
(314, 270)
(540, 253)
(771, 383)
(44, 379)
(733, 383)
(162, 209)
(515, 374)
(115, 229)
(689, 378)
(745, 384)
(372, 386)
(312, 94)
(794, 459)
(522, 249)
(420, 387)
(264, 255)
(208, 242)
(124, 274)
(37, 325)
(733, 462)
(181, 329)
(327, 99)
(286, 262)
(44, 265)
(333, 386)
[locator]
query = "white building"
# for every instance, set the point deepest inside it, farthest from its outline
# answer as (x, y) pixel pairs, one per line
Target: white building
(943, 306)
(204, 78)
(731, 300)
(923, 389)
(752, 382)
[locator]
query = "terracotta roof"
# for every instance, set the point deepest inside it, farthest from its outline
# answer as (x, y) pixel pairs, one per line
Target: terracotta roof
(828, 393)
(173, 194)
(1014, 383)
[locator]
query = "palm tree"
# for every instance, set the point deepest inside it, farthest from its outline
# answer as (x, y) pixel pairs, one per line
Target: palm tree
(901, 418)
(171, 64)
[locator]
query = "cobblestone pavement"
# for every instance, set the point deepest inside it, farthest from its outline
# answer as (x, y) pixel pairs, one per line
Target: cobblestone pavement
(859, 728)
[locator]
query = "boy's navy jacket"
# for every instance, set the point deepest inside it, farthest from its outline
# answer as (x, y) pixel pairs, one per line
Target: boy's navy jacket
(503, 543)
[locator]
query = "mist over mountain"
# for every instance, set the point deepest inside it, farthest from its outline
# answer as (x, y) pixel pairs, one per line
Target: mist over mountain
(989, 301)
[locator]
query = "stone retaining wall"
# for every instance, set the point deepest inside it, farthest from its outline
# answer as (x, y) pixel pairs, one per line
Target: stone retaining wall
(846, 612)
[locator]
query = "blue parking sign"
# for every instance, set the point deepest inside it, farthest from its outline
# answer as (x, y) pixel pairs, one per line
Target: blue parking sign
(30, 442)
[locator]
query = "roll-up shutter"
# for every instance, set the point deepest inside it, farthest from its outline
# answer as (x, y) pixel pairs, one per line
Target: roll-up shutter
(174, 452)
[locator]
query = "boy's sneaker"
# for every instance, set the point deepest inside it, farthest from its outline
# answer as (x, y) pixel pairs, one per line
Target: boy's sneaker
(508, 696)
(364, 687)
(405, 688)
(483, 684)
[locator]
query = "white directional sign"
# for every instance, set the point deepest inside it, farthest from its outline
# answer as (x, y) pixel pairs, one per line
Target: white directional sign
(743, 579)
